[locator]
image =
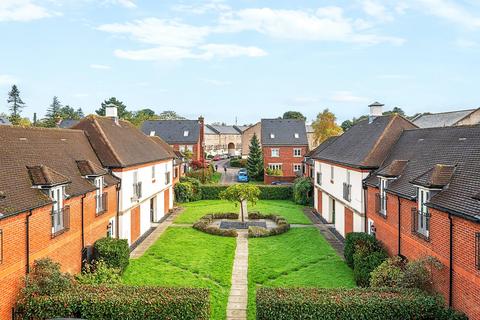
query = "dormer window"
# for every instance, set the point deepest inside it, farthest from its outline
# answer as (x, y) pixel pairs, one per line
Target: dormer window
(296, 135)
(185, 133)
(272, 136)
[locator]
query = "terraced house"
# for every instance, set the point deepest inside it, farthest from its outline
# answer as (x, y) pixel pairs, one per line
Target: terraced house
(144, 167)
(425, 201)
(341, 166)
(55, 201)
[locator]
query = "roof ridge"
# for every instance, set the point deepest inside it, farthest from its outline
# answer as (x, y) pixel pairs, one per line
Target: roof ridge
(444, 112)
(10, 126)
(374, 147)
(107, 142)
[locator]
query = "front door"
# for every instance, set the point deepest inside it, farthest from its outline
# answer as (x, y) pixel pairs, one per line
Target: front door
(332, 210)
(166, 203)
(153, 209)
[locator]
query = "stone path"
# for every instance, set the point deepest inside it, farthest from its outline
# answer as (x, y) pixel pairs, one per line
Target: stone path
(152, 237)
(237, 301)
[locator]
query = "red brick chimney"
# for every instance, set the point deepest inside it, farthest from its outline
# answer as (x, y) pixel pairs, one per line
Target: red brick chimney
(201, 121)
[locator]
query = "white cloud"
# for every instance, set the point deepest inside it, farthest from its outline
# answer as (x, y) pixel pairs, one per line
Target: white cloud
(347, 96)
(376, 10)
(22, 10)
(100, 66)
(7, 80)
(451, 11)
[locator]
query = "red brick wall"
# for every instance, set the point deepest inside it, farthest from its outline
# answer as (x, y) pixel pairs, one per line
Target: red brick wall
(196, 150)
(269, 179)
(466, 278)
(65, 248)
(348, 221)
(286, 158)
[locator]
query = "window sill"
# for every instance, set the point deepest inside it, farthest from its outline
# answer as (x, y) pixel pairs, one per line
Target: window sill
(60, 232)
(421, 236)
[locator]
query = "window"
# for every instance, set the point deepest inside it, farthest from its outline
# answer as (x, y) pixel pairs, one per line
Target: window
(153, 172)
(382, 198)
(319, 178)
(185, 133)
(297, 152)
(275, 153)
(296, 135)
(275, 166)
(137, 187)
(100, 197)
(111, 228)
(477, 250)
(332, 173)
(272, 136)
(1, 245)
(182, 148)
(347, 188)
(332, 210)
(190, 148)
(167, 174)
(175, 173)
(297, 167)
(421, 214)
(60, 215)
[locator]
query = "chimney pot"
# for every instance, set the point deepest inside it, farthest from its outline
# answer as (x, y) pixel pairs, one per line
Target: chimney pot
(376, 110)
(111, 111)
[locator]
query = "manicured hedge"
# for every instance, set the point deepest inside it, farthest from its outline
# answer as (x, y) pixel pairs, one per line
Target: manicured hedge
(238, 163)
(259, 232)
(211, 192)
(351, 241)
(114, 252)
(119, 302)
(204, 224)
(339, 304)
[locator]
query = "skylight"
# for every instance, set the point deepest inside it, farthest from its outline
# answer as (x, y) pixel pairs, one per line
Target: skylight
(185, 133)
(297, 136)
(272, 136)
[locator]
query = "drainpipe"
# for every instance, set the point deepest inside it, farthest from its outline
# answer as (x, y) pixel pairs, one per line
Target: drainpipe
(365, 197)
(117, 222)
(27, 240)
(83, 223)
(399, 228)
(450, 285)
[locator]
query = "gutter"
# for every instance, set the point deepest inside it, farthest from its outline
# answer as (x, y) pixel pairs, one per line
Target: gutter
(450, 282)
(455, 213)
(27, 240)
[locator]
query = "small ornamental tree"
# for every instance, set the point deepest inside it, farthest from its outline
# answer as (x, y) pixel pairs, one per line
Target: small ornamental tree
(238, 193)
(255, 159)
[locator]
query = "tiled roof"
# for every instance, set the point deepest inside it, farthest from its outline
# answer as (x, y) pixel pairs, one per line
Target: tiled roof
(365, 145)
(283, 132)
(4, 121)
(121, 144)
(425, 150)
(224, 129)
(52, 155)
(174, 131)
(393, 169)
(321, 146)
(164, 145)
(89, 168)
(441, 119)
(67, 123)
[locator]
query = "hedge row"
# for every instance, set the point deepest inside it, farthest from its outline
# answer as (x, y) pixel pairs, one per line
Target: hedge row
(114, 252)
(259, 232)
(211, 192)
(339, 304)
(204, 224)
(120, 302)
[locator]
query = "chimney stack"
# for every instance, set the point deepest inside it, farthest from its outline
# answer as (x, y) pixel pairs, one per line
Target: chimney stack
(376, 110)
(111, 111)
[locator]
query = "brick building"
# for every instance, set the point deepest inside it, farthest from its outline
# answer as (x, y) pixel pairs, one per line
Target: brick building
(143, 166)
(284, 144)
(182, 135)
(425, 201)
(55, 200)
(341, 166)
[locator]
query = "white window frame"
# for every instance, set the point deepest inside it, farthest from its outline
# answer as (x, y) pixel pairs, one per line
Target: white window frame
(299, 165)
(422, 225)
(153, 172)
(296, 135)
(297, 152)
(167, 175)
(332, 174)
(190, 148)
(186, 133)
(57, 194)
(111, 229)
(275, 152)
(275, 166)
(98, 194)
(383, 195)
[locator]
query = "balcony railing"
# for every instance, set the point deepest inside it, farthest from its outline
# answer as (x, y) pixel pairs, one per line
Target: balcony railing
(137, 191)
(381, 205)
(347, 192)
(60, 221)
(101, 203)
(421, 223)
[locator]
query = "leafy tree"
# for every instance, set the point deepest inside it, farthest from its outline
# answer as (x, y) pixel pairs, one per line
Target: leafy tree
(170, 115)
(122, 111)
(395, 110)
(68, 112)
(325, 126)
(141, 115)
(238, 193)
(16, 105)
(255, 159)
(53, 113)
(294, 115)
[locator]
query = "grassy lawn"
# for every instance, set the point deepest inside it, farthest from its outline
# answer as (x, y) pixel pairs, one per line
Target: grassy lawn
(216, 176)
(299, 258)
(184, 257)
(289, 210)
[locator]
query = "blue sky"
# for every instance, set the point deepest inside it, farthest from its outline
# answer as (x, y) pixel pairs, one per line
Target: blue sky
(246, 59)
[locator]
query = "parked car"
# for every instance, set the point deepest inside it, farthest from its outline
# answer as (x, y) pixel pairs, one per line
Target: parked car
(242, 176)
(281, 183)
(217, 157)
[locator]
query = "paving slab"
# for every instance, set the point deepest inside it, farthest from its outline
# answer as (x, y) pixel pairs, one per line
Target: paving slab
(237, 301)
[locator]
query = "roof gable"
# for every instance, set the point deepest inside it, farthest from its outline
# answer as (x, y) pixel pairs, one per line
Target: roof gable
(441, 119)
(283, 132)
(436, 177)
(44, 176)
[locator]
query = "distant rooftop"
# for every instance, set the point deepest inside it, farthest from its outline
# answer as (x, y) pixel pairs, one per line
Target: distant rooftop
(442, 119)
(4, 121)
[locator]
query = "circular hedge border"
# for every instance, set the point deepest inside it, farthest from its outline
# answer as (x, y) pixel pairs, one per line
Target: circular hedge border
(204, 225)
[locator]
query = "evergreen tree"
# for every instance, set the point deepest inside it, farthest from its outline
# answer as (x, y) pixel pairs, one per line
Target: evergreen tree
(294, 115)
(53, 113)
(255, 159)
(16, 105)
(68, 112)
(122, 111)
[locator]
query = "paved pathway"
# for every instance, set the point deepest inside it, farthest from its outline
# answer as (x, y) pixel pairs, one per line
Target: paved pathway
(237, 301)
(230, 176)
(152, 237)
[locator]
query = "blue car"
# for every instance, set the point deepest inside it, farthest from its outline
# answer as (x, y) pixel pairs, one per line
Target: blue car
(242, 175)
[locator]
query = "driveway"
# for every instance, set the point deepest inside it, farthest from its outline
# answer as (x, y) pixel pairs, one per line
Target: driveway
(228, 177)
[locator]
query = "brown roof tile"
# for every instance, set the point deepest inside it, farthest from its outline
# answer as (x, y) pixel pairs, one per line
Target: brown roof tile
(394, 169)
(436, 177)
(88, 168)
(45, 176)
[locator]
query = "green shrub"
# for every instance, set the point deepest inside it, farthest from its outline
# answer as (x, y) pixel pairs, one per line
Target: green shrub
(211, 192)
(114, 252)
(45, 278)
(197, 192)
(417, 273)
(343, 304)
(351, 241)
(301, 190)
(274, 172)
(238, 163)
(275, 192)
(203, 175)
(204, 224)
(119, 302)
(257, 232)
(364, 263)
(388, 274)
(183, 192)
(99, 273)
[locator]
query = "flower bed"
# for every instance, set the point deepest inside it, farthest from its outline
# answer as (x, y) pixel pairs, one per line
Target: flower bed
(204, 224)
(258, 232)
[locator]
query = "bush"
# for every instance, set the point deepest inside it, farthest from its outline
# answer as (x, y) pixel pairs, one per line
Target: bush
(99, 273)
(388, 274)
(211, 192)
(204, 224)
(258, 232)
(301, 190)
(119, 302)
(195, 183)
(46, 278)
(351, 241)
(274, 172)
(364, 263)
(202, 175)
(114, 252)
(339, 304)
(183, 192)
(275, 192)
(238, 163)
